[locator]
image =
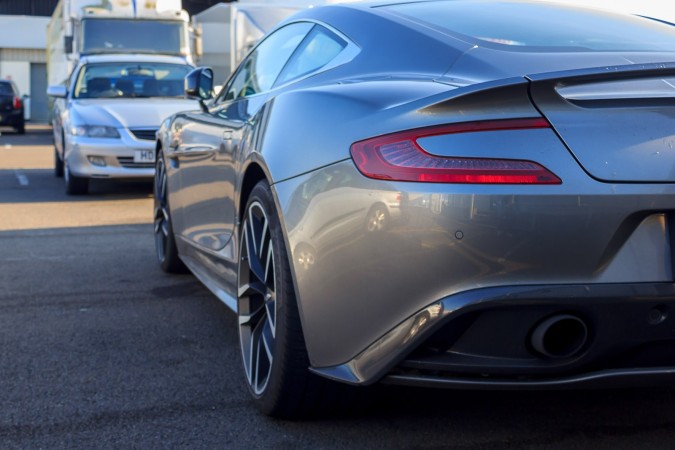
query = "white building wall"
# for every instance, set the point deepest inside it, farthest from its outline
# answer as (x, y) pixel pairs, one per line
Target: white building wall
(17, 71)
(23, 41)
(23, 32)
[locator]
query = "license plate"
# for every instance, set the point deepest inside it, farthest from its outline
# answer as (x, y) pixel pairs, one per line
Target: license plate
(144, 156)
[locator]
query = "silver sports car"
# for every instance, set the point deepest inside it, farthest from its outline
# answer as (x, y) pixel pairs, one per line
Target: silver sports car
(466, 194)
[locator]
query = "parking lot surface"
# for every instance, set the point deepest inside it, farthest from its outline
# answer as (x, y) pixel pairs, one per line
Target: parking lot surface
(100, 349)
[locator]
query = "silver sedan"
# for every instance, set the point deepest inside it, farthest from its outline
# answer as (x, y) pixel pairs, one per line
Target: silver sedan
(105, 121)
(467, 194)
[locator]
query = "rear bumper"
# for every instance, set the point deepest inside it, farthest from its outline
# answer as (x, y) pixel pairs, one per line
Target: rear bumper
(481, 339)
(602, 379)
(12, 118)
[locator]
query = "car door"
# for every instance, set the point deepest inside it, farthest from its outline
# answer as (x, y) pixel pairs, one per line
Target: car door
(211, 140)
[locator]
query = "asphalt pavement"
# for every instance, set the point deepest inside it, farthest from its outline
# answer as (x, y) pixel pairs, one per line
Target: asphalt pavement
(100, 349)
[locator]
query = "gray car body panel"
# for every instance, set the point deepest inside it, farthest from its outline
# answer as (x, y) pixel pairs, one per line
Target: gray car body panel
(447, 238)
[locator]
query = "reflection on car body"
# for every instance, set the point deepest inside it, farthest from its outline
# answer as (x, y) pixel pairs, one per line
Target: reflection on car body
(330, 208)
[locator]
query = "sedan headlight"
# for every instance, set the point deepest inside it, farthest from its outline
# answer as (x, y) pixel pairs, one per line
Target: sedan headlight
(95, 131)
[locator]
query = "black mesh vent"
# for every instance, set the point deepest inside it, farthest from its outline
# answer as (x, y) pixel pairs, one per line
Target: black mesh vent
(146, 135)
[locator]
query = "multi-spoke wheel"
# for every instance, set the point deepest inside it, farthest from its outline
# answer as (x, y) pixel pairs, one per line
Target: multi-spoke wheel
(257, 298)
(165, 242)
(377, 219)
(270, 335)
(305, 257)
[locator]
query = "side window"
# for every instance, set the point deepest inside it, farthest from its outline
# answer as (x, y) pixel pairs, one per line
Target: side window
(238, 82)
(257, 72)
(319, 48)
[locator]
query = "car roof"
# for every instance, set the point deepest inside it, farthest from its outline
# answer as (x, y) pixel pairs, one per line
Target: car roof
(396, 43)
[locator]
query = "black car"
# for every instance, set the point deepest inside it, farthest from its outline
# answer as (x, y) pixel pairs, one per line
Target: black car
(11, 107)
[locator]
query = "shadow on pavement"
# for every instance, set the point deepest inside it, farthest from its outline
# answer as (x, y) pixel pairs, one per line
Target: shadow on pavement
(40, 186)
(36, 134)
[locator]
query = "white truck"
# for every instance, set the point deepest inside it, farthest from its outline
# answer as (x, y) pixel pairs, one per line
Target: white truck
(86, 27)
(230, 30)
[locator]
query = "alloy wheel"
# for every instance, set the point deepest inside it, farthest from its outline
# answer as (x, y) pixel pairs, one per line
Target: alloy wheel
(377, 219)
(161, 211)
(257, 298)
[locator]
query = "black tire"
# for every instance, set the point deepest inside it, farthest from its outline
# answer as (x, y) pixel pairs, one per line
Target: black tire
(271, 340)
(165, 241)
(58, 164)
(75, 185)
(21, 129)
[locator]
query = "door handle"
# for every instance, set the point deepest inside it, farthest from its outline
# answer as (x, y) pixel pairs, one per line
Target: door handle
(227, 135)
(198, 150)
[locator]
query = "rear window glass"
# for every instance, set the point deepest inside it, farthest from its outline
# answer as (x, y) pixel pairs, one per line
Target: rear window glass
(541, 26)
(318, 49)
(6, 89)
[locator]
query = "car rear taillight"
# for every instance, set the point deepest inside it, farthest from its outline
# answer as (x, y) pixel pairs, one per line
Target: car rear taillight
(398, 157)
(17, 103)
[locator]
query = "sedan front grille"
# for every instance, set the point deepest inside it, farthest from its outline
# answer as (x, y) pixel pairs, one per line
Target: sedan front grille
(144, 133)
(128, 162)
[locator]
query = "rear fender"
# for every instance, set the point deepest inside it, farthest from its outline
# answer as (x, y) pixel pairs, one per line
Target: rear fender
(323, 135)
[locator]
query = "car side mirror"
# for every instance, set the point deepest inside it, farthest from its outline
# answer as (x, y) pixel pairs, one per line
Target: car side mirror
(199, 85)
(57, 90)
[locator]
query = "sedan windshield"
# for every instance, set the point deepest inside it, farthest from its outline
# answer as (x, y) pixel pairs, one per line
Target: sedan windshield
(124, 80)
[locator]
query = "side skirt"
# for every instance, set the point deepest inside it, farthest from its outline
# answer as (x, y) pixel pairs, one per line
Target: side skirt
(217, 274)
